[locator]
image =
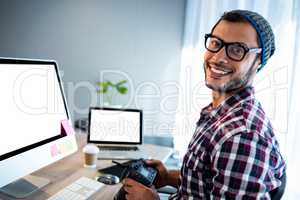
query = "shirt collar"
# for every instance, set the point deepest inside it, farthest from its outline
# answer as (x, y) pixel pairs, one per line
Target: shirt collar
(242, 95)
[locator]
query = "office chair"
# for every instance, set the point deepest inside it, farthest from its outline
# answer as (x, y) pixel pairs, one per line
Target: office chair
(165, 192)
(275, 194)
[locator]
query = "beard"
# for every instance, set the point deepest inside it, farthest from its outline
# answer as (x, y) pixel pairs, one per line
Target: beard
(233, 84)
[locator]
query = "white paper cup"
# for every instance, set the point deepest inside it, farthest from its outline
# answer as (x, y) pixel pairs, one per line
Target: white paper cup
(90, 152)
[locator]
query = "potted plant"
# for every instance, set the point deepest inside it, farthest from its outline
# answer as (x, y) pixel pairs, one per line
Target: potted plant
(110, 89)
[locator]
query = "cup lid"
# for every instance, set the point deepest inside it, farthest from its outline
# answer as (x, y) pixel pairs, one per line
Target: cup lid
(90, 148)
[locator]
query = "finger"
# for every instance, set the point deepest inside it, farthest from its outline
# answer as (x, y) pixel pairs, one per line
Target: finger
(131, 185)
(129, 190)
(127, 186)
(152, 162)
(129, 182)
(124, 181)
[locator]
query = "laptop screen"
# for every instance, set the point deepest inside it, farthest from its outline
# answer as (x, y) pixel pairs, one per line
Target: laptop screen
(115, 126)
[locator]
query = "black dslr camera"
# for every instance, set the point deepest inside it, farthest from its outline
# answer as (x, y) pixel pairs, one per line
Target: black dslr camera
(138, 171)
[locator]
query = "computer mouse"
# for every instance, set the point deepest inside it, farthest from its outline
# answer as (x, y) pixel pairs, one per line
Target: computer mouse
(108, 179)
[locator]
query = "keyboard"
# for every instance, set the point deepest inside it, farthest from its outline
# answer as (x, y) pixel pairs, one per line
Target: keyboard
(117, 148)
(82, 189)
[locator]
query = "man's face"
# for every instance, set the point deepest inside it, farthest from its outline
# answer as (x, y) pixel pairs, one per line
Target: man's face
(223, 74)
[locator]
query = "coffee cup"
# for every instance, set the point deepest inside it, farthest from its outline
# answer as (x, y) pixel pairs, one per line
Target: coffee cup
(90, 152)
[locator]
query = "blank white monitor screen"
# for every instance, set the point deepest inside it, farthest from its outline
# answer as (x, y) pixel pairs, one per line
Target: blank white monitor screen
(33, 108)
(30, 113)
(115, 126)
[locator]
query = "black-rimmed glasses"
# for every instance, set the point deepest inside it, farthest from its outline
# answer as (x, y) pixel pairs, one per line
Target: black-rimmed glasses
(234, 50)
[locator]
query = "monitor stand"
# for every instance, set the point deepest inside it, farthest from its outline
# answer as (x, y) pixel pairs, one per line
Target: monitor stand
(24, 187)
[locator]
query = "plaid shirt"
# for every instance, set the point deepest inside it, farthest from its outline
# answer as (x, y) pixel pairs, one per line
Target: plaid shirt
(233, 153)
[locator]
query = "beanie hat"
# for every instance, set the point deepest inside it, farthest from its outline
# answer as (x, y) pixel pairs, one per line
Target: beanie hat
(264, 32)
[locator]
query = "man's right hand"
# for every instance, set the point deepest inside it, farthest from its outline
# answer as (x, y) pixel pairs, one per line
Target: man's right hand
(161, 180)
(165, 177)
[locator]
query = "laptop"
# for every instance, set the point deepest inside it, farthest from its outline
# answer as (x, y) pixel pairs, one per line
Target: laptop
(117, 132)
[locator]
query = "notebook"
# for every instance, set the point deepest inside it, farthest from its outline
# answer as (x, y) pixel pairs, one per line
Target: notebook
(117, 132)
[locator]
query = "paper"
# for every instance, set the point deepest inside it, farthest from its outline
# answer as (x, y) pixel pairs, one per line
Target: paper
(66, 128)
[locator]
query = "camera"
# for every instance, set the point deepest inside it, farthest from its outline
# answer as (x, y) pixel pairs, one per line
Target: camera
(138, 171)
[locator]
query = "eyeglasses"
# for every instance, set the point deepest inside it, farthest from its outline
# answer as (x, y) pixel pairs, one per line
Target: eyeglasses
(234, 50)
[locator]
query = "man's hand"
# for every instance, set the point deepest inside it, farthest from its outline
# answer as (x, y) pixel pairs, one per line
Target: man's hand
(162, 178)
(137, 191)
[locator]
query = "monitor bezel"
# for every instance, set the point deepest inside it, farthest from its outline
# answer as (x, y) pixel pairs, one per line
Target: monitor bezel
(115, 142)
(48, 140)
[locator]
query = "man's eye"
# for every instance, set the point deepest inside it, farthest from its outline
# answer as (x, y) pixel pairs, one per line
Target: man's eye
(237, 50)
(215, 43)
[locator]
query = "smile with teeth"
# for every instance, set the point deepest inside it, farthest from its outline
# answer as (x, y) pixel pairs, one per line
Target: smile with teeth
(220, 71)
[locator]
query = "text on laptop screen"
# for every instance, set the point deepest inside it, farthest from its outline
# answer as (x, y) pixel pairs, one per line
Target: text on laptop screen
(115, 126)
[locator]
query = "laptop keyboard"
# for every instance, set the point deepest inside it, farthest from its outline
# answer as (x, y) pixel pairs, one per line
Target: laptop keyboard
(115, 148)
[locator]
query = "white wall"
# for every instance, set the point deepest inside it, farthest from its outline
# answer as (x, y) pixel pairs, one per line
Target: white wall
(141, 38)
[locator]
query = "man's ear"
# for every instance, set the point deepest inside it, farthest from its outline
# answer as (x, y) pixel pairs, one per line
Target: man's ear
(259, 68)
(258, 63)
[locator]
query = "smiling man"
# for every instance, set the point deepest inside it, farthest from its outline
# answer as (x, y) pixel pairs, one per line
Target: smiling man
(233, 153)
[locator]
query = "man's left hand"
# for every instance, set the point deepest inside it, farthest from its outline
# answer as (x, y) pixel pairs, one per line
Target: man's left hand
(137, 191)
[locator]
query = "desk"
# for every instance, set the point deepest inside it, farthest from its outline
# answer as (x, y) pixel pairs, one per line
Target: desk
(69, 169)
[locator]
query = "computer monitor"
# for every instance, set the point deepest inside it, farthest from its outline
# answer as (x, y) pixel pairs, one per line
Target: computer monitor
(115, 126)
(32, 107)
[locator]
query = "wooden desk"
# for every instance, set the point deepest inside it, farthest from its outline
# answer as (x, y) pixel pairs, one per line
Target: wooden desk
(69, 169)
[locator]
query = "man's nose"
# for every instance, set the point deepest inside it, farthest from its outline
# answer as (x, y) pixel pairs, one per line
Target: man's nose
(221, 56)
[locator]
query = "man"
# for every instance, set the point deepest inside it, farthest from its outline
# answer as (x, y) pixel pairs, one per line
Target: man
(233, 153)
